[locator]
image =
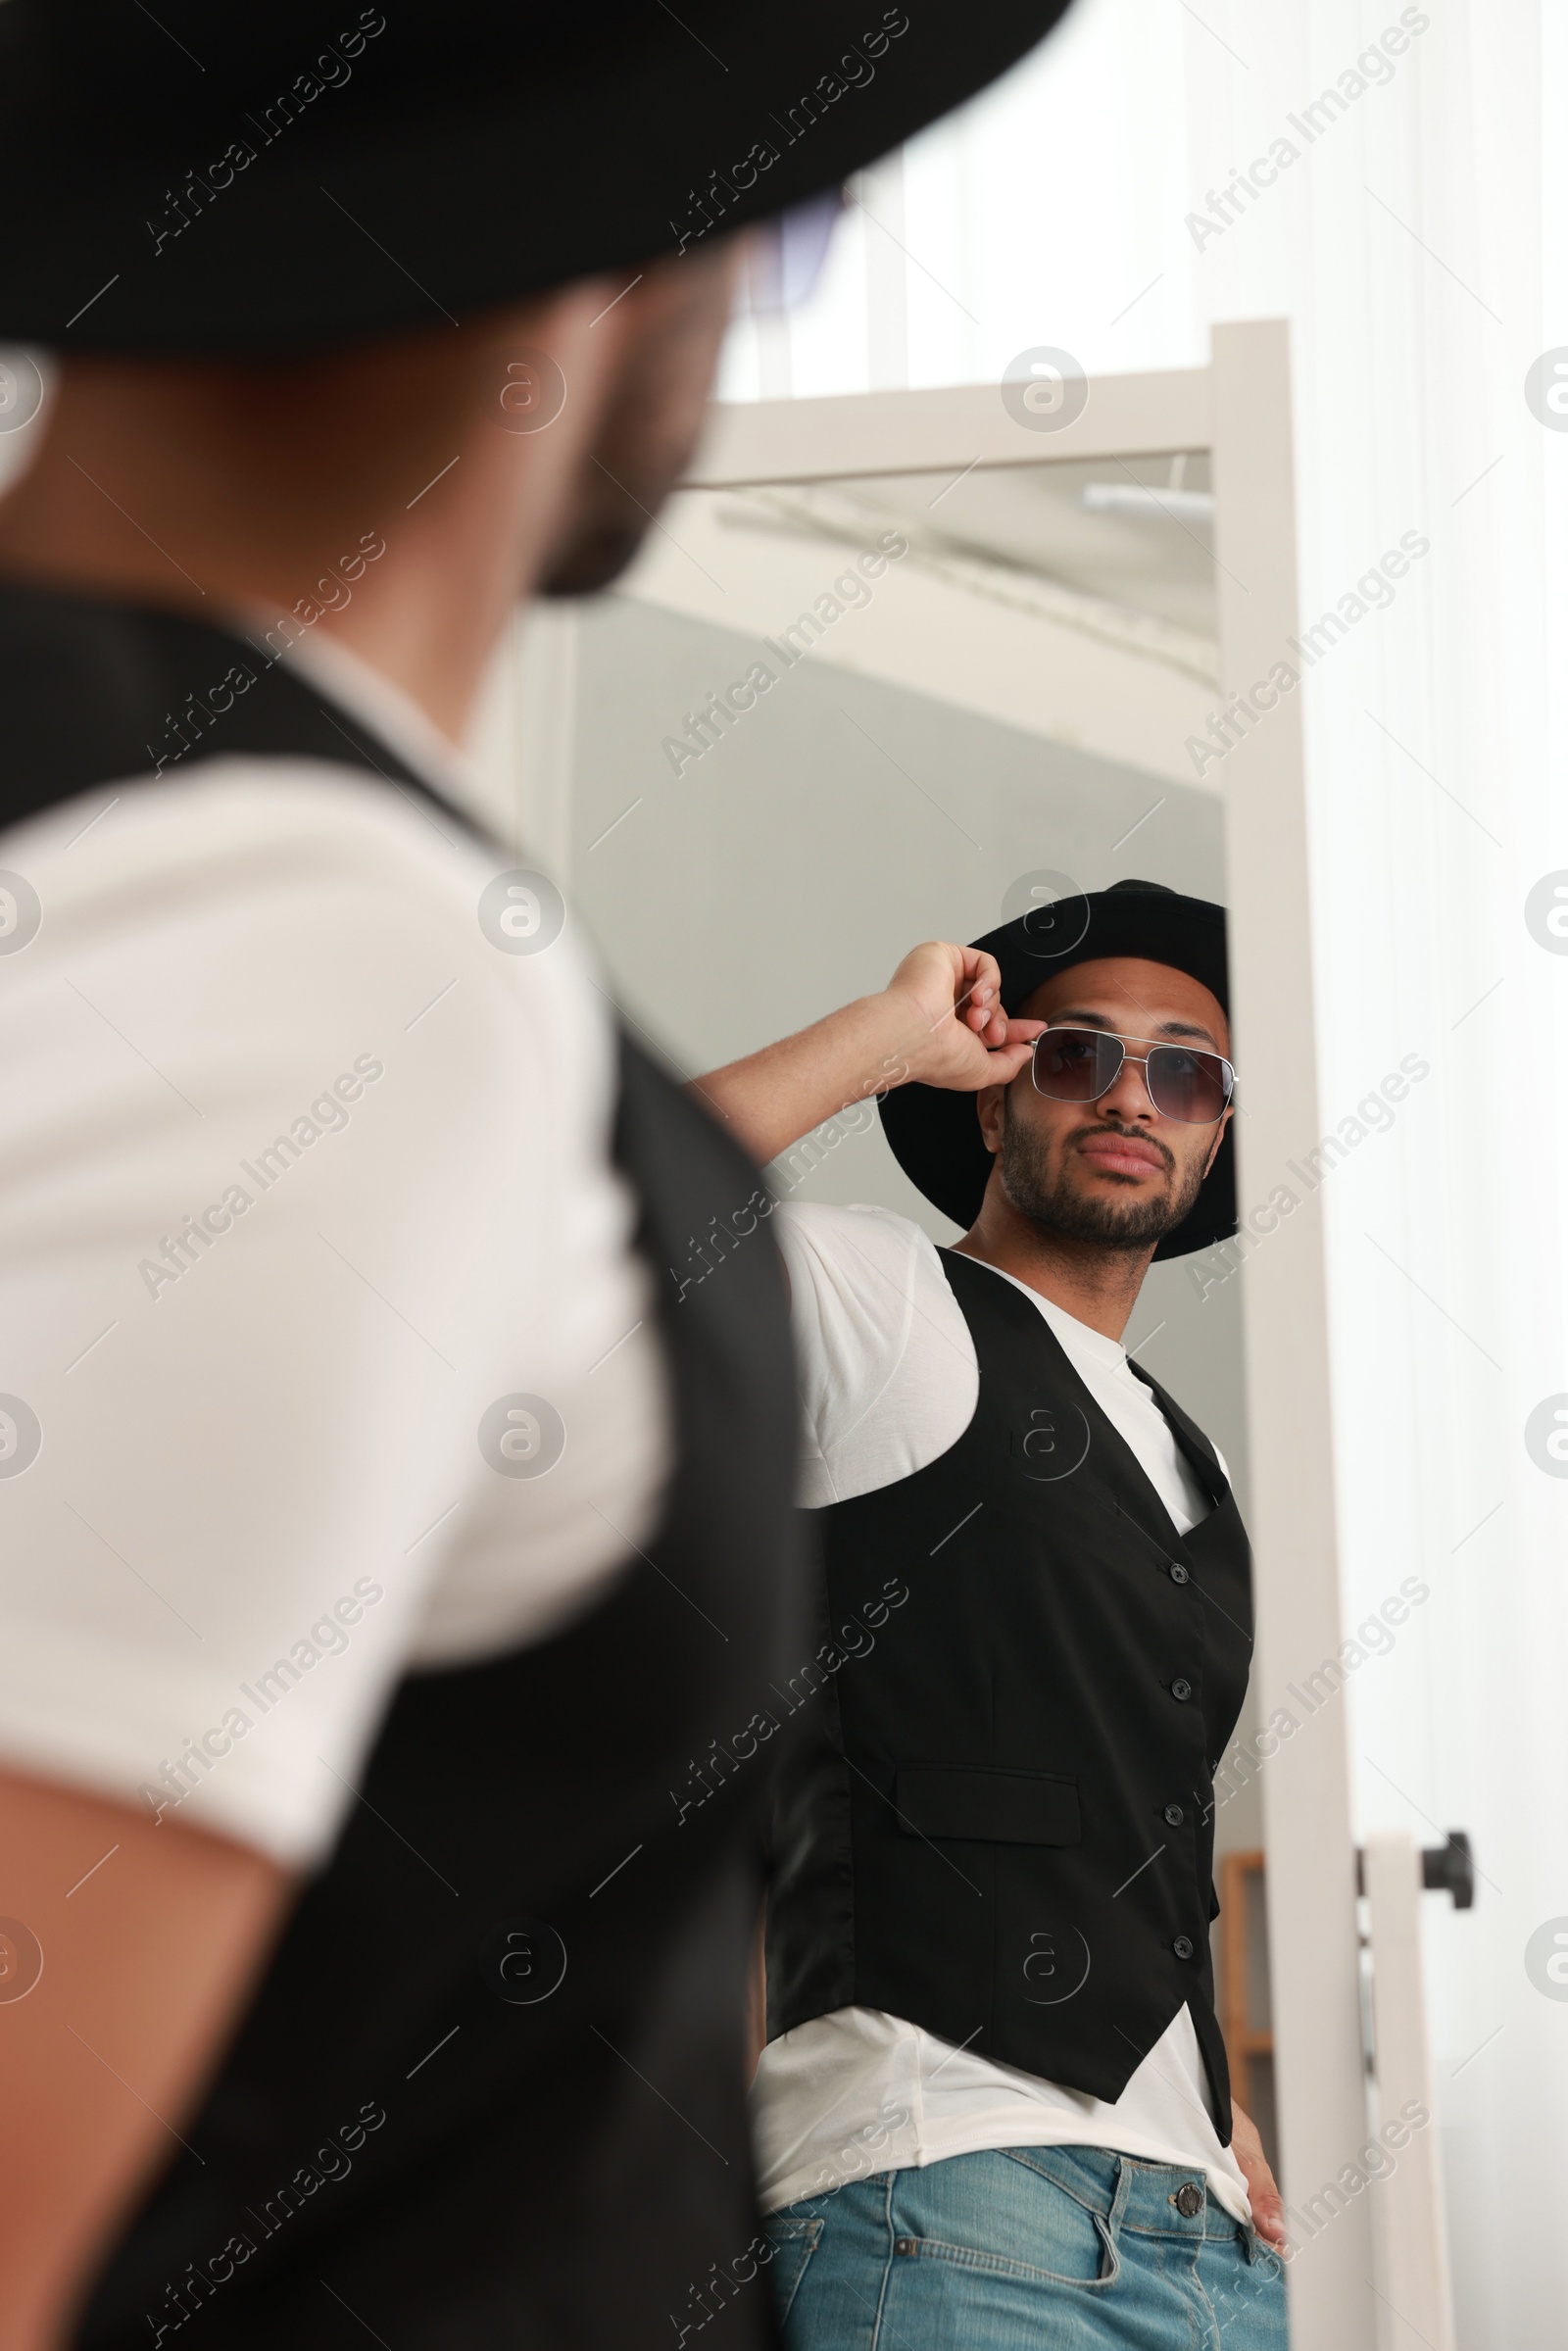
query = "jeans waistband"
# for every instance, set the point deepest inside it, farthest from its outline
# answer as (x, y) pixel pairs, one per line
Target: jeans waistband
(1160, 2199)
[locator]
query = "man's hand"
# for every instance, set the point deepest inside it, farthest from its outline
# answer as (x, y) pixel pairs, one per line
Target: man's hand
(953, 1028)
(1268, 2205)
(939, 1020)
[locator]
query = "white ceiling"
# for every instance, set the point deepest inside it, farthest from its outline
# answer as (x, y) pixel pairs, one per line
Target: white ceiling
(1032, 517)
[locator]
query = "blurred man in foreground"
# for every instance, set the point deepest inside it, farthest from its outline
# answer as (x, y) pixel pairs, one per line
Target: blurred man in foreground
(375, 1546)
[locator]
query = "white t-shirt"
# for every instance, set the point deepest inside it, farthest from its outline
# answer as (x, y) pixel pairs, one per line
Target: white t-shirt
(889, 1381)
(252, 1481)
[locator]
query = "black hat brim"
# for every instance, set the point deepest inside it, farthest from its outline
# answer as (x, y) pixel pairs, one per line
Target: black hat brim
(935, 1133)
(468, 156)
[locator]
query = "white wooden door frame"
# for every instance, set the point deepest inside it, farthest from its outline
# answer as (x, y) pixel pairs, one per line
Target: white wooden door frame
(1238, 409)
(1307, 1817)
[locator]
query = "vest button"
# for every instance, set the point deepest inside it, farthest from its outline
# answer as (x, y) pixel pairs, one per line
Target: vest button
(1180, 1689)
(1174, 1816)
(1178, 1573)
(1183, 1946)
(1188, 2200)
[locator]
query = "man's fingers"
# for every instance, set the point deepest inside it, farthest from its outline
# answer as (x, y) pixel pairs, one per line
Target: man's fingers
(977, 1008)
(991, 1024)
(1262, 2191)
(1004, 1034)
(1004, 1064)
(979, 980)
(1268, 2205)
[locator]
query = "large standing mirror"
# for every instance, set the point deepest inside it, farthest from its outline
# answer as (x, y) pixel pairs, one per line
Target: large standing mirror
(825, 720)
(900, 668)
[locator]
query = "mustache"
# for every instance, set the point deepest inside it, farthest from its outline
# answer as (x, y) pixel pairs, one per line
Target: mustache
(1098, 1129)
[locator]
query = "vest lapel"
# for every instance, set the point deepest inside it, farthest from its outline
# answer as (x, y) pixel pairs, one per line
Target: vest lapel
(1136, 1498)
(1199, 1454)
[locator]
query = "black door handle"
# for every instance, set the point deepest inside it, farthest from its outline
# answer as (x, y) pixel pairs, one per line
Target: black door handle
(1444, 1869)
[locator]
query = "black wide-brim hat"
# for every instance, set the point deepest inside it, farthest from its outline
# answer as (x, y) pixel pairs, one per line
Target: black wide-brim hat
(935, 1133)
(253, 175)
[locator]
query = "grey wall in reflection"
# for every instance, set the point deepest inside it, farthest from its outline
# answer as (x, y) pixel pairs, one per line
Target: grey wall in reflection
(836, 824)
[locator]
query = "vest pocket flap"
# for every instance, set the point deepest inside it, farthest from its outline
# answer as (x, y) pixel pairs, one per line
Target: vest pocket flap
(1008, 1808)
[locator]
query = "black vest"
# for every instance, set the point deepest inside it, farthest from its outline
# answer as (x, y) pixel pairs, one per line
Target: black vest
(995, 1815)
(425, 2129)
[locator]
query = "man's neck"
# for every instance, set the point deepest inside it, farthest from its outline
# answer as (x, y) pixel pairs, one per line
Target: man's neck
(1094, 1284)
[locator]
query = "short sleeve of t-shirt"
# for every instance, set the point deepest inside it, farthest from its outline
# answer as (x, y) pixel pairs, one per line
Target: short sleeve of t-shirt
(887, 1367)
(323, 1349)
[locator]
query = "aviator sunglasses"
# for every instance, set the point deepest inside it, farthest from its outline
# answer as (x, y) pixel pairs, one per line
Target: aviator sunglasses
(1184, 1084)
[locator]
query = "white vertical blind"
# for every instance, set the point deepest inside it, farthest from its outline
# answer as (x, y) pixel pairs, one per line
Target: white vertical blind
(1404, 202)
(1052, 201)
(1416, 244)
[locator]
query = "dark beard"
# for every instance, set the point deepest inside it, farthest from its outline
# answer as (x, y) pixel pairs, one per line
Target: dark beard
(1051, 1200)
(645, 441)
(606, 538)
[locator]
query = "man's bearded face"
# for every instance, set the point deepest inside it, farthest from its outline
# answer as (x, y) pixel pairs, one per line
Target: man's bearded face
(1114, 1171)
(1044, 1177)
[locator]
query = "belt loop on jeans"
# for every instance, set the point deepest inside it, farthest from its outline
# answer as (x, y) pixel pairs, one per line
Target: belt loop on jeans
(1119, 2201)
(1259, 2253)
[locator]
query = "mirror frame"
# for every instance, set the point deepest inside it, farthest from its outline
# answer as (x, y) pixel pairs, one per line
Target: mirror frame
(1239, 408)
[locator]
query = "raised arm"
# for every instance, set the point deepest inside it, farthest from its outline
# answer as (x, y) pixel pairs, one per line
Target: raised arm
(939, 1020)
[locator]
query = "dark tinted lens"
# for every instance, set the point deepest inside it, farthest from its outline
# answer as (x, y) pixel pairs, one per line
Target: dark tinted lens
(1187, 1086)
(1075, 1065)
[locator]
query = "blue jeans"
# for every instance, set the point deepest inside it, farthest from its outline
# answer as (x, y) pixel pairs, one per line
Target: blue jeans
(1024, 2249)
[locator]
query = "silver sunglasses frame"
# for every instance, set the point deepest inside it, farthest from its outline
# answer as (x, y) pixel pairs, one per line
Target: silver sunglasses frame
(1170, 1044)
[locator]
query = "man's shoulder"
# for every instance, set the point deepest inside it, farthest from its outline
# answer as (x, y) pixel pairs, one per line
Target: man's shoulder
(831, 1236)
(293, 900)
(888, 1372)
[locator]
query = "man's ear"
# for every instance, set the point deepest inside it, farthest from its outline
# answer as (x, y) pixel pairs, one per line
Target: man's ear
(1218, 1141)
(990, 1108)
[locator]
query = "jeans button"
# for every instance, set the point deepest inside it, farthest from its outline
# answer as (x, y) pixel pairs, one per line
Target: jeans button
(1180, 1689)
(1174, 1816)
(1188, 2200)
(1183, 1946)
(904, 2245)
